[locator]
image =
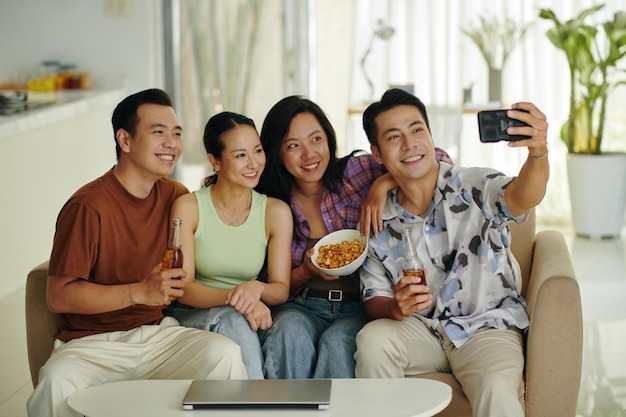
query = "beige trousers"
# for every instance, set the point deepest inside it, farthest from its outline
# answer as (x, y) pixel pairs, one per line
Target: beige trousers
(488, 366)
(164, 351)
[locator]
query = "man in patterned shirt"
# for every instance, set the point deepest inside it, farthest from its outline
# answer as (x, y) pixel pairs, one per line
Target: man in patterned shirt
(470, 317)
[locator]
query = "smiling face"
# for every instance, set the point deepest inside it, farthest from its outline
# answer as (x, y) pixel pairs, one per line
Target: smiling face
(304, 151)
(157, 143)
(405, 146)
(243, 159)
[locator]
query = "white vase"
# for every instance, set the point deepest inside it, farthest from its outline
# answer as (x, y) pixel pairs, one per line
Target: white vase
(495, 85)
(597, 185)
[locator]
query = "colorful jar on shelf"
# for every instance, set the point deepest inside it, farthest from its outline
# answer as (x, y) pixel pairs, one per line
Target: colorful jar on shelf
(70, 77)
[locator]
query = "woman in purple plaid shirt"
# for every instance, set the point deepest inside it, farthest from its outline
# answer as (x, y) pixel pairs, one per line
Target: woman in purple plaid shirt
(313, 335)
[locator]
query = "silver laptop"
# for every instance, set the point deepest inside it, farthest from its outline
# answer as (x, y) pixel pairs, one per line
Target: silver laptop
(267, 393)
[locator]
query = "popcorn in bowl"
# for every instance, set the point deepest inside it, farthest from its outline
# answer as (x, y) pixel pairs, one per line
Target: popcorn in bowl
(340, 253)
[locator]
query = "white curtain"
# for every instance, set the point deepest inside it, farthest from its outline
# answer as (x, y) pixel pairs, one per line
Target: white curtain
(429, 51)
(217, 41)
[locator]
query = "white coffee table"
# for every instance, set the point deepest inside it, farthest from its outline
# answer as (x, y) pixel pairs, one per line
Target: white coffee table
(411, 397)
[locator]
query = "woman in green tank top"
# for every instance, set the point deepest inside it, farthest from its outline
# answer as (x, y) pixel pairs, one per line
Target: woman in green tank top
(228, 232)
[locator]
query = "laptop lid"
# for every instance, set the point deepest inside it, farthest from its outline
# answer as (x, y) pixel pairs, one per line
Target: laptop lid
(266, 393)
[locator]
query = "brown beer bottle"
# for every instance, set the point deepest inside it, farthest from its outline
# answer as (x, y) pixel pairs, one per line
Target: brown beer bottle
(173, 256)
(412, 266)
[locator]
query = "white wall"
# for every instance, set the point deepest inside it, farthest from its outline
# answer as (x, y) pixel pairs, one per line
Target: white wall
(334, 66)
(43, 167)
(266, 86)
(40, 171)
(116, 45)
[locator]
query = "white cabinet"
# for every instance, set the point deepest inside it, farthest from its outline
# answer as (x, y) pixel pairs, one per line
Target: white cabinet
(47, 154)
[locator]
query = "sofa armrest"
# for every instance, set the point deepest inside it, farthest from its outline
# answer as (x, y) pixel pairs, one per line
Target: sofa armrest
(554, 339)
(41, 323)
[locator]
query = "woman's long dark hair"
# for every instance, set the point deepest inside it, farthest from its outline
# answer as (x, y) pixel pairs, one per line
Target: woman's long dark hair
(213, 132)
(276, 181)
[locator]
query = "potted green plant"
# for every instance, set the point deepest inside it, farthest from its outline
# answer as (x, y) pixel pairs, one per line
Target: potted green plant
(594, 73)
(495, 38)
(595, 55)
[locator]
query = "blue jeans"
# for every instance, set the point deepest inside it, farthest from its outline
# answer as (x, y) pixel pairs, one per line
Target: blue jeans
(227, 321)
(312, 338)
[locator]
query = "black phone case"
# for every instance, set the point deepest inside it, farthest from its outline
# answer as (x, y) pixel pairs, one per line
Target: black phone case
(492, 125)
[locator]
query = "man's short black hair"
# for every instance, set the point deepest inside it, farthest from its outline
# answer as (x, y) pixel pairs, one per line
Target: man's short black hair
(392, 98)
(125, 114)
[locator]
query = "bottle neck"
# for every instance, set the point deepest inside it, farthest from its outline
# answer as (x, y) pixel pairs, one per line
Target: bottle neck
(175, 237)
(408, 245)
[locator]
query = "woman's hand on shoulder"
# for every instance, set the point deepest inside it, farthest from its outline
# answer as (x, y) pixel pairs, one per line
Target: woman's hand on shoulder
(371, 218)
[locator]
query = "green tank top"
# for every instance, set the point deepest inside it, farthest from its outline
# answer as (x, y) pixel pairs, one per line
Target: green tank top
(227, 256)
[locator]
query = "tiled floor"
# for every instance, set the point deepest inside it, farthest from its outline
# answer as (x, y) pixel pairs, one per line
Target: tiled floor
(15, 385)
(600, 267)
(601, 270)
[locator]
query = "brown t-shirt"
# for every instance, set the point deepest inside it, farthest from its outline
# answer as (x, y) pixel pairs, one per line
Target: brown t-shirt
(107, 236)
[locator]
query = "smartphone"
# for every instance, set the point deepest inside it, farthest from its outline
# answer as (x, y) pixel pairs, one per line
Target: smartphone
(492, 125)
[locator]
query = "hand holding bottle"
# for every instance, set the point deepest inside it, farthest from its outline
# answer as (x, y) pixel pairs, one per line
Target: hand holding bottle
(411, 292)
(156, 289)
(173, 256)
(412, 266)
(410, 297)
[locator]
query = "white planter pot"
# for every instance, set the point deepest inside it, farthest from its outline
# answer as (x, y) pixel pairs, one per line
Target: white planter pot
(597, 185)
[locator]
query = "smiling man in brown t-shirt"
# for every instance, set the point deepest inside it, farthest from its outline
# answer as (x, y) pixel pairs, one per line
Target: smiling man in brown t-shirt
(105, 279)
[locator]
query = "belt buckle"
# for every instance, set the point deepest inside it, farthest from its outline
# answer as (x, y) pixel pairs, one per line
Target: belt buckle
(335, 295)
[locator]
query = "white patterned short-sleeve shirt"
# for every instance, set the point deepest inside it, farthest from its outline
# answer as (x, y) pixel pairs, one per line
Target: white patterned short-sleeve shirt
(464, 243)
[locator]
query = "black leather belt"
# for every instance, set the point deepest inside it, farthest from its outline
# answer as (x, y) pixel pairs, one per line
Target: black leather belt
(332, 295)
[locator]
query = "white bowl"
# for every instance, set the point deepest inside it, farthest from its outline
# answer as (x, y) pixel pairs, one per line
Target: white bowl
(338, 237)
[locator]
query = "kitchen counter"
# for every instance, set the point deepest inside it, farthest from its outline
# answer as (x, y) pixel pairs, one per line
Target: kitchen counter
(58, 106)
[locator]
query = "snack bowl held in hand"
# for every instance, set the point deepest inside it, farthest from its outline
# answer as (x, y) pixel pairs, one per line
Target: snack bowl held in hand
(339, 253)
